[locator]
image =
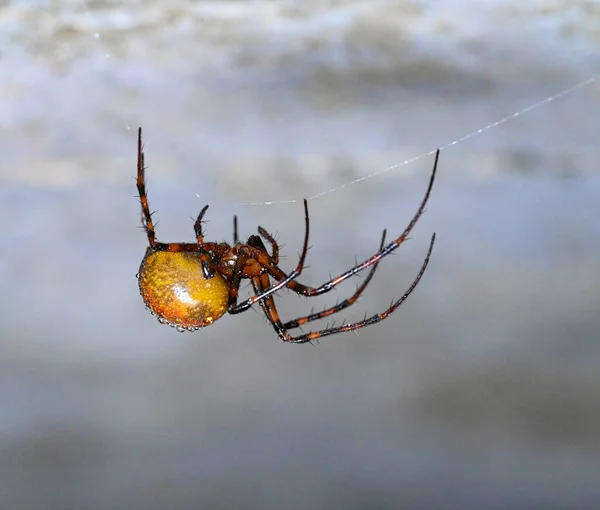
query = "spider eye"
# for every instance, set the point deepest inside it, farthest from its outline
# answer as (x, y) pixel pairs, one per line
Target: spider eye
(173, 286)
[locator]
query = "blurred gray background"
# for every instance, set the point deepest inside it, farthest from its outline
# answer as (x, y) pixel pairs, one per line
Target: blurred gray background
(481, 392)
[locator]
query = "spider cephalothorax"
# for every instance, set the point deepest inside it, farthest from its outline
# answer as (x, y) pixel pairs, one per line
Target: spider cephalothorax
(191, 285)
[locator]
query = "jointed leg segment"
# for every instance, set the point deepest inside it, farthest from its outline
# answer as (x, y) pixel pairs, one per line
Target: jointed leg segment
(340, 306)
(141, 186)
(270, 310)
(304, 290)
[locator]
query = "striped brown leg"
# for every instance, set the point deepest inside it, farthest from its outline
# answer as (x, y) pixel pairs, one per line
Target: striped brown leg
(141, 186)
(314, 335)
(340, 306)
(268, 306)
(260, 283)
(198, 226)
(234, 283)
(272, 242)
(147, 215)
(305, 290)
(207, 271)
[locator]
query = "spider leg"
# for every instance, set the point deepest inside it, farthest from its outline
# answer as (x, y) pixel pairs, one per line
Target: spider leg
(141, 186)
(260, 284)
(207, 271)
(314, 335)
(234, 283)
(244, 305)
(272, 242)
(305, 290)
(340, 306)
(236, 239)
(198, 226)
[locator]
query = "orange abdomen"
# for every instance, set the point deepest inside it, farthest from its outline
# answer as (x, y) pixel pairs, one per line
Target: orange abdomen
(174, 288)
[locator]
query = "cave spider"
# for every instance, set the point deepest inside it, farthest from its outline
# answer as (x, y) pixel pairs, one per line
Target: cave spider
(191, 285)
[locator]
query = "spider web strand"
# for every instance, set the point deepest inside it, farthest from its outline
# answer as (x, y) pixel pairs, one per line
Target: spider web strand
(464, 138)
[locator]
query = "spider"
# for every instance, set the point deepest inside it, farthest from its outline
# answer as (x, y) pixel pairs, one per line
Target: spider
(191, 285)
